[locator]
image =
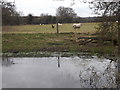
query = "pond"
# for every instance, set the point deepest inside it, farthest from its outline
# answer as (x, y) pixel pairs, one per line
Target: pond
(58, 72)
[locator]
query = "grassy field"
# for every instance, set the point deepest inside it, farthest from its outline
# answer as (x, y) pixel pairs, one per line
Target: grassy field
(36, 38)
(65, 28)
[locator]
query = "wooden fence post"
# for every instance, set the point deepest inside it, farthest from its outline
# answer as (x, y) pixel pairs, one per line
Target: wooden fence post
(57, 28)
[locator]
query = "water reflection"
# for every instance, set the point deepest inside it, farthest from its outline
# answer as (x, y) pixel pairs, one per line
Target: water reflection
(70, 72)
(7, 62)
(97, 79)
(58, 61)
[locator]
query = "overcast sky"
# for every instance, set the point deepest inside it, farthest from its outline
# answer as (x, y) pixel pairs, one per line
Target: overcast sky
(36, 7)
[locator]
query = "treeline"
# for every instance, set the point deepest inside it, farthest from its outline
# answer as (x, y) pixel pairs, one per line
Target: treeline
(49, 19)
(63, 15)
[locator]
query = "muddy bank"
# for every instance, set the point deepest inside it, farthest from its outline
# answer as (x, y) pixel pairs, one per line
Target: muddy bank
(61, 54)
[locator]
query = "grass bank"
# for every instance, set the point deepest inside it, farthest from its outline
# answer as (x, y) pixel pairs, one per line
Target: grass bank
(22, 40)
(64, 42)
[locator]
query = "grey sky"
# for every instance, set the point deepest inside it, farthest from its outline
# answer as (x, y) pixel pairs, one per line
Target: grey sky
(36, 7)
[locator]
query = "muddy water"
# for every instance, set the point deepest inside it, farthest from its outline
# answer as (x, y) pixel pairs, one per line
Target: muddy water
(58, 72)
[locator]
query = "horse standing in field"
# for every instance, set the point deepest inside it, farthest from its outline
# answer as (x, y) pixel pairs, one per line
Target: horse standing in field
(59, 24)
(53, 26)
(76, 26)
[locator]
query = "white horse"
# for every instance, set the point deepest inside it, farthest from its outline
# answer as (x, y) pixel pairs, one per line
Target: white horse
(59, 24)
(76, 25)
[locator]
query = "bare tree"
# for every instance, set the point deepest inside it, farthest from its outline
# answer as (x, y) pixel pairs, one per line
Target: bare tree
(65, 14)
(110, 13)
(9, 13)
(29, 19)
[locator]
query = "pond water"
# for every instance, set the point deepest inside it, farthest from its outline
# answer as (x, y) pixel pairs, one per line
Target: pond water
(58, 72)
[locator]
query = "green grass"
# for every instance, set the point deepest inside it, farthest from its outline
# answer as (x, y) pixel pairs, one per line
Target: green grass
(36, 38)
(49, 42)
(106, 49)
(35, 42)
